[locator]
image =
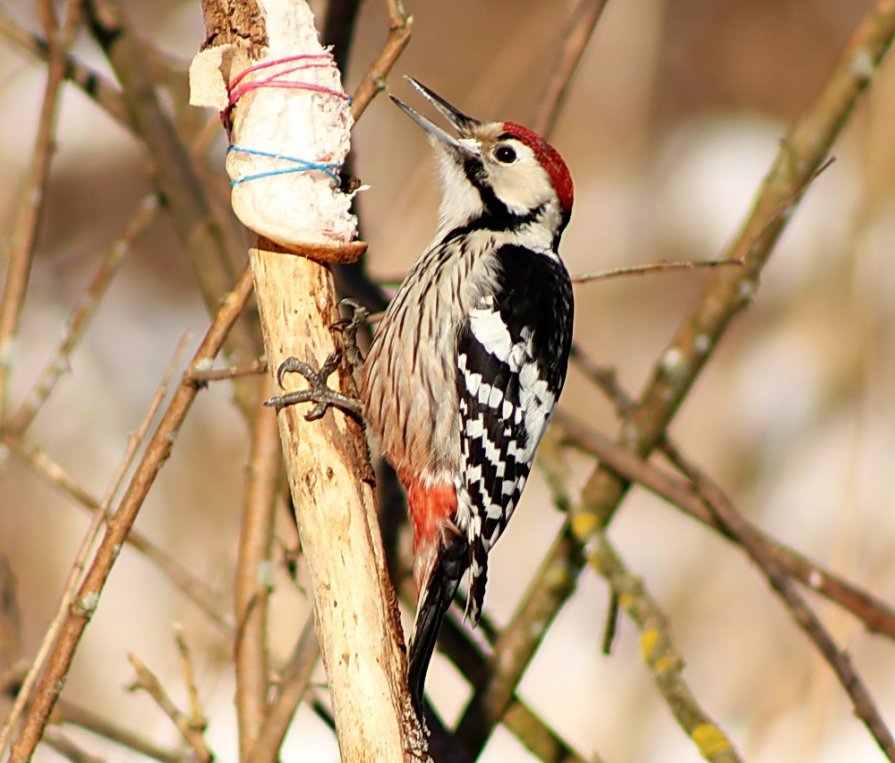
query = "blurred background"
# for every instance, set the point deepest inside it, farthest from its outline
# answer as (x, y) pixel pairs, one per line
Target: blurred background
(675, 114)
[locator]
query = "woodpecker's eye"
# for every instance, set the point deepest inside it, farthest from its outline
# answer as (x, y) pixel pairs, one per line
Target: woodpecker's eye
(505, 154)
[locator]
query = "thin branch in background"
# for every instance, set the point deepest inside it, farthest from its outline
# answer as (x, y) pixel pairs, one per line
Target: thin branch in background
(193, 734)
(199, 376)
(579, 30)
(24, 233)
(290, 690)
(660, 654)
(729, 518)
(69, 713)
(10, 618)
(194, 589)
(656, 643)
(605, 378)
(653, 267)
(373, 83)
(196, 717)
(68, 749)
(78, 321)
(74, 580)
(211, 252)
(254, 575)
(876, 615)
(119, 525)
(91, 82)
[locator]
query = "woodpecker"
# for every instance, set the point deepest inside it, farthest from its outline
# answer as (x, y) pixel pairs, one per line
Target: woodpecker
(470, 357)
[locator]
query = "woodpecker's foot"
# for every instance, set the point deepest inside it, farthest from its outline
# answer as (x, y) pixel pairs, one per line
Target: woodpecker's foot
(318, 392)
(349, 328)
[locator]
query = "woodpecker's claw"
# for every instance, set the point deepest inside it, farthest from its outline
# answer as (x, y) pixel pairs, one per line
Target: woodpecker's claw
(349, 328)
(318, 392)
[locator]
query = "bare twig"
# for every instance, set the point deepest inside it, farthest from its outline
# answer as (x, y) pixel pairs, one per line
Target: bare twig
(157, 451)
(579, 29)
(199, 376)
(31, 208)
(194, 589)
(374, 80)
(81, 556)
(660, 654)
(80, 317)
(193, 734)
(291, 689)
(729, 518)
(876, 615)
(196, 717)
(10, 619)
(69, 713)
(653, 267)
(68, 749)
(211, 253)
(94, 84)
(254, 576)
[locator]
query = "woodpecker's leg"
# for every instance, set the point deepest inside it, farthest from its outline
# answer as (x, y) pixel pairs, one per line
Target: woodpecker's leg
(318, 392)
(349, 328)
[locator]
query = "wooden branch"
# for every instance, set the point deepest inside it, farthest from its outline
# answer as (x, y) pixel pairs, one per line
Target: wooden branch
(291, 688)
(75, 326)
(331, 481)
(157, 452)
(254, 578)
(579, 29)
(92, 83)
(192, 732)
(24, 234)
(74, 579)
(210, 251)
(194, 589)
(373, 82)
(877, 615)
(838, 659)
(660, 654)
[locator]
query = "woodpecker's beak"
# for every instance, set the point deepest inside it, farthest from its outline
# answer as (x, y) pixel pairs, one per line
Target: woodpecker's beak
(463, 124)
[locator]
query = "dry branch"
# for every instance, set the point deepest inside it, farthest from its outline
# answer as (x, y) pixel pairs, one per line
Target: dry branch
(729, 518)
(876, 615)
(254, 577)
(94, 84)
(194, 589)
(374, 80)
(660, 654)
(118, 527)
(77, 323)
(579, 30)
(24, 234)
(293, 684)
(211, 253)
(330, 478)
(74, 579)
(192, 731)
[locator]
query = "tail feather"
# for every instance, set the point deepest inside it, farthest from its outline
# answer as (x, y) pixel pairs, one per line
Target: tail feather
(436, 595)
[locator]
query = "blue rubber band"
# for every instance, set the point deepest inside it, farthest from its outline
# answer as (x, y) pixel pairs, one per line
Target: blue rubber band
(300, 165)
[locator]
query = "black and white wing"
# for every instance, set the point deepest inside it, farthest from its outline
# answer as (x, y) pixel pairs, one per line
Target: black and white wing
(512, 355)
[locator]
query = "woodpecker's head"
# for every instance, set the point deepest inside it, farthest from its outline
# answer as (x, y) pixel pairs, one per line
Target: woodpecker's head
(499, 174)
